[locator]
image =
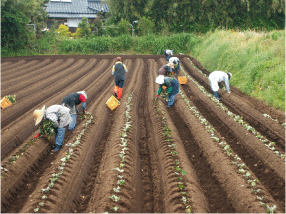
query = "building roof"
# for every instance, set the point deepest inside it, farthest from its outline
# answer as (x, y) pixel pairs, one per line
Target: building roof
(75, 8)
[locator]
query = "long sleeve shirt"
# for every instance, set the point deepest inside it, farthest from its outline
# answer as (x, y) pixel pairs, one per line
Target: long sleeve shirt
(216, 77)
(58, 114)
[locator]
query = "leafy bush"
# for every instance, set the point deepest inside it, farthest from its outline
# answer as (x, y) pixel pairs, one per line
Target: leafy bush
(145, 26)
(124, 27)
(64, 30)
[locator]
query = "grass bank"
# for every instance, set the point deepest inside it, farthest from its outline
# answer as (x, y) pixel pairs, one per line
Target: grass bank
(256, 60)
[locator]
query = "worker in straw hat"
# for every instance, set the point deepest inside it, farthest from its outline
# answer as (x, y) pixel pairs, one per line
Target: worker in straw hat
(176, 62)
(167, 69)
(118, 71)
(168, 54)
(216, 77)
(172, 85)
(71, 101)
(60, 116)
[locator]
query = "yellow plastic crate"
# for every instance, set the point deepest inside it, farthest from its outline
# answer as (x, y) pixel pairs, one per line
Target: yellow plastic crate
(5, 102)
(182, 80)
(112, 103)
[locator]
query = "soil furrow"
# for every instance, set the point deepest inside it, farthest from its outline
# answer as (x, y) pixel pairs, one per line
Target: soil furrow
(175, 171)
(254, 103)
(264, 125)
(266, 165)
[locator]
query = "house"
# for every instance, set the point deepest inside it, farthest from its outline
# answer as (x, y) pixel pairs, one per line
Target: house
(70, 12)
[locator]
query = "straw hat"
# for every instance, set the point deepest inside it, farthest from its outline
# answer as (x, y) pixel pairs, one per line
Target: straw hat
(83, 93)
(172, 65)
(38, 115)
(160, 79)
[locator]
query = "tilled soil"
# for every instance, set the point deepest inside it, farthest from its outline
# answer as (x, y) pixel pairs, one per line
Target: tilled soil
(172, 162)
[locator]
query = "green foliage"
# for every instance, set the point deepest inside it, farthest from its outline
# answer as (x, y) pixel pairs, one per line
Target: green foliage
(47, 128)
(124, 27)
(256, 61)
(64, 30)
(11, 98)
(15, 15)
(83, 28)
(145, 26)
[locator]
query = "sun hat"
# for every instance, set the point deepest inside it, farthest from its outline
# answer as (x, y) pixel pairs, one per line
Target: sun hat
(172, 65)
(230, 75)
(160, 79)
(118, 59)
(83, 93)
(38, 115)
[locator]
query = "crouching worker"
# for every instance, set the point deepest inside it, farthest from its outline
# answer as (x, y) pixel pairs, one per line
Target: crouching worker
(60, 116)
(176, 62)
(71, 101)
(172, 85)
(216, 77)
(167, 69)
(118, 71)
(168, 53)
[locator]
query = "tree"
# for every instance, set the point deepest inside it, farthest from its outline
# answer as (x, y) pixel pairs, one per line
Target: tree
(83, 28)
(124, 27)
(145, 26)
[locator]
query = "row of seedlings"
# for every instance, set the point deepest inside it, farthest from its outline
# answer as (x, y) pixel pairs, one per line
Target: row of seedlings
(265, 115)
(46, 129)
(176, 164)
(235, 159)
(64, 160)
(239, 119)
(123, 143)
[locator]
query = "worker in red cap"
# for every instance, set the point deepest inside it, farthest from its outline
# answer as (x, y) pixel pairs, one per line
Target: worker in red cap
(118, 71)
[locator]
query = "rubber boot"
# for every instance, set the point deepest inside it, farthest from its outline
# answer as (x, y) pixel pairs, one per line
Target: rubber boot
(116, 91)
(119, 93)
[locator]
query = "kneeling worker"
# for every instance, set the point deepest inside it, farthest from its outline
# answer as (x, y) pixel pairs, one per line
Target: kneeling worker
(216, 77)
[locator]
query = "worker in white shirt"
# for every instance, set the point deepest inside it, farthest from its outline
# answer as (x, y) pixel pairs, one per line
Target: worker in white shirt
(168, 54)
(176, 62)
(216, 77)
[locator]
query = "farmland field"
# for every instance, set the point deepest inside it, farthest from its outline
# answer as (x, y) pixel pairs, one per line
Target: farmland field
(198, 156)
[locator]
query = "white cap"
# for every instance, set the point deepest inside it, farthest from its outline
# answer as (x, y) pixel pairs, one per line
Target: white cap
(160, 79)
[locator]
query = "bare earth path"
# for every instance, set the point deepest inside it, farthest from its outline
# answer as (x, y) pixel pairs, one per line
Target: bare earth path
(142, 157)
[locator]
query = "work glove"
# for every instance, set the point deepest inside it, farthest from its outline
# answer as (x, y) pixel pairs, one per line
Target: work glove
(36, 136)
(83, 112)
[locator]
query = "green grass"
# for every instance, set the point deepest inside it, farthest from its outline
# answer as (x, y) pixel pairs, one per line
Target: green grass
(256, 60)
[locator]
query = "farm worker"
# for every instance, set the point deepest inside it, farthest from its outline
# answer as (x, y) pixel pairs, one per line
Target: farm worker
(71, 101)
(168, 54)
(167, 69)
(176, 62)
(118, 71)
(172, 85)
(61, 117)
(216, 77)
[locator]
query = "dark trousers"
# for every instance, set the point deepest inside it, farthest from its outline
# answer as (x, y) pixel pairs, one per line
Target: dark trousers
(119, 83)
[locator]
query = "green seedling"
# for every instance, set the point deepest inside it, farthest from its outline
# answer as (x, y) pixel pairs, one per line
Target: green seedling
(114, 198)
(178, 178)
(174, 153)
(271, 209)
(121, 182)
(181, 186)
(177, 168)
(116, 189)
(184, 193)
(183, 172)
(42, 204)
(184, 199)
(36, 210)
(115, 208)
